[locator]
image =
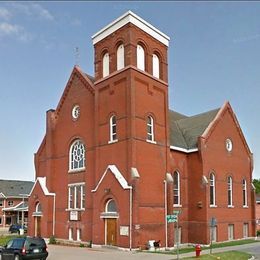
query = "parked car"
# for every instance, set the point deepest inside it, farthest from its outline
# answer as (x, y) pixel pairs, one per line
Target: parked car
(15, 228)
(24, 248)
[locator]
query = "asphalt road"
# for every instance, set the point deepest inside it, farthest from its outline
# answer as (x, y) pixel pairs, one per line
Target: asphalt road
(76, 253)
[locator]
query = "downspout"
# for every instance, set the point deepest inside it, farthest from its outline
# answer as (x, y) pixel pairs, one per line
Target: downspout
(165, 213)
(130, 216)
(54, 214)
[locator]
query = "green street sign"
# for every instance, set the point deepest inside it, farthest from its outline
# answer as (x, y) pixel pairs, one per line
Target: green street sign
(172, 218)
(176, 211)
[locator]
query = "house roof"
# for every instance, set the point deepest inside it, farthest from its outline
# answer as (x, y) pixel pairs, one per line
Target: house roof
(184, 130)
(14, 188)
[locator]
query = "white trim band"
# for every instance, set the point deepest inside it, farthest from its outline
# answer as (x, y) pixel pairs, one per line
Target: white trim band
(183, 149)
(130, 17)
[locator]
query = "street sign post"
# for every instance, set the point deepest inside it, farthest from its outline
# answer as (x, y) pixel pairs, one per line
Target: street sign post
(172, 218)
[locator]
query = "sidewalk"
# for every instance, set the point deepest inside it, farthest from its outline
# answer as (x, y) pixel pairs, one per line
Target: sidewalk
(219, 250)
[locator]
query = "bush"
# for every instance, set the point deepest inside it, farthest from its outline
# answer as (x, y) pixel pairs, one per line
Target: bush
(52, 240)
(81, 245)
(258, 233)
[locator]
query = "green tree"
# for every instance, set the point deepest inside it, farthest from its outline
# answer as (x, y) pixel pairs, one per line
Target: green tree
(256, 182)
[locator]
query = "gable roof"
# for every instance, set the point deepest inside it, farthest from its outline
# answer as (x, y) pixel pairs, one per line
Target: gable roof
(184, 130)
(42, 183)
(117, 174)
(14, 188)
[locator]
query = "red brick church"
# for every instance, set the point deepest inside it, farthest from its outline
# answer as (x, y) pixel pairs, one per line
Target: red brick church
(115, 160)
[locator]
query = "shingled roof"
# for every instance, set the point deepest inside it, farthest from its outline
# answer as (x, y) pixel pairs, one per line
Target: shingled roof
(184, 130)
(13, 188)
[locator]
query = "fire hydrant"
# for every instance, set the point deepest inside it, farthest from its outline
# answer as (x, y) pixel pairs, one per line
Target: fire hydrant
(197, 250)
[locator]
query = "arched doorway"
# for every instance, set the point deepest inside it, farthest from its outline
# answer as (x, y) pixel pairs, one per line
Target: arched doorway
(111, 217)
(37, 219)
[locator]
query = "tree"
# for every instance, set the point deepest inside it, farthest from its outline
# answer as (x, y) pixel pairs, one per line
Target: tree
(256, 182)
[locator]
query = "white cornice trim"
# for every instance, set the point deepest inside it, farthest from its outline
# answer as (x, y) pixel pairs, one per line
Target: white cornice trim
(42, 182)
(183, 149)
(130, 17)
(117, 174)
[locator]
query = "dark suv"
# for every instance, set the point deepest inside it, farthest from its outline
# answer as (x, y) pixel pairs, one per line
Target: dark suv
(15, 228)
(24, 248)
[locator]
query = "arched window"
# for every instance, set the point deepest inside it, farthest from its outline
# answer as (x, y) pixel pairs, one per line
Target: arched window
(120, 57)
(150, 129)
(38, 208)
(111, 206)
(156, 66)
(77, 156)
(176, 189)
(244, 193)
(212, 191)
(230, 188)
(106, 64)
(140, 57)
(112, 124)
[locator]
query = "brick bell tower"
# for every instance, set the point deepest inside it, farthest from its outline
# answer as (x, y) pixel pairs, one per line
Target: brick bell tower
(132, 133)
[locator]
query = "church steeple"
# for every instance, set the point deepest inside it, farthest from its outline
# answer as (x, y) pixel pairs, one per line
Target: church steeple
(130, 41)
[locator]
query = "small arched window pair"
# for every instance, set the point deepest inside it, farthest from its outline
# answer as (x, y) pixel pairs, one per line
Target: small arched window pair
(140, 57)
(120, 53)
(176, 189)
(212, 190)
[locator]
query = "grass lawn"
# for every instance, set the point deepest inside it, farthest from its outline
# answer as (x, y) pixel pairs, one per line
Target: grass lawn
(216, 245)
(225, 256)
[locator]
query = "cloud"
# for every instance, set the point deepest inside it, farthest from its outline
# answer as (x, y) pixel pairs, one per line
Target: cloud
(33, 10)
(247, 38)
(4, 14)
(8, 29)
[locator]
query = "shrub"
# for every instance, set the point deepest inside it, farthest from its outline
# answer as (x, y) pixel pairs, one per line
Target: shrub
(52, 240)
(258, 233)
(81, 245)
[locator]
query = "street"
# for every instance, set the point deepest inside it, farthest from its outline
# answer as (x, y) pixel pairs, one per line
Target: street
(97, 253)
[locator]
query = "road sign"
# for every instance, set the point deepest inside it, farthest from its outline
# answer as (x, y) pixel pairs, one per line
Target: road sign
(176, 211)
(172, 218)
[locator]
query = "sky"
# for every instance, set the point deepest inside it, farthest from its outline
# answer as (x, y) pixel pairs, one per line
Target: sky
(214, 56)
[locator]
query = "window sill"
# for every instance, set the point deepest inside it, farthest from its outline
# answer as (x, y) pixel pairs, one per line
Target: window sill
(177, 205)
(230, 206)
(77, 170)
(112, 141)
(75, 209)
(245, 207)
(150, 141)
(213, 206)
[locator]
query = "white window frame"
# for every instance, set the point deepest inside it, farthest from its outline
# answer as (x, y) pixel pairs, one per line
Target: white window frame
(231, 232)
(230, 192)
(150, 133)
(112, 129)
(212, 188)
(120, 54)
(106, 207)
(177, 191)
(140, 57)
(245, 230)
(245, 203)
(105, 63)
(213, 234)
(78, 234)
(156, 66)
(72, 158)
(10, 203)
(73, 199)
(71, 233)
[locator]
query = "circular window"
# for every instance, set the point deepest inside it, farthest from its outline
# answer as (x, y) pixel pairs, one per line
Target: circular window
(229, 145)
(75, 112)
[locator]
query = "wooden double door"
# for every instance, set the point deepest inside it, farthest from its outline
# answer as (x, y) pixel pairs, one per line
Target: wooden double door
(111, 232)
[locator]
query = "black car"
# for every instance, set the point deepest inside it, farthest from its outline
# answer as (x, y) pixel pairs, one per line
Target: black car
(24, 248)
(15, 228)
